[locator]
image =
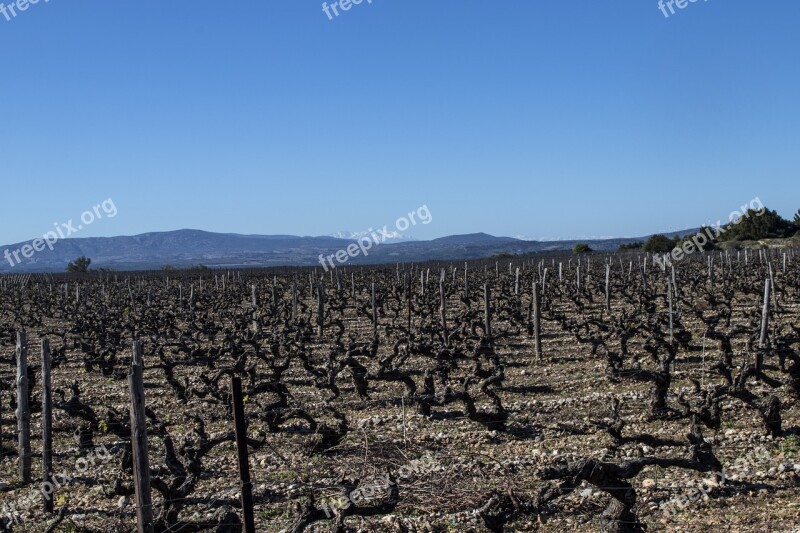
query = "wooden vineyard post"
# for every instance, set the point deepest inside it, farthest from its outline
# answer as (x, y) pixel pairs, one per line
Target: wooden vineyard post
(487, 313)
(141, 462)
(241, 448)
(294, 301)
(644, 275)
(374, 314)
(608, 287)
(773, 292)
(762, 342)
(671, 319)
(47, 424)
(320, 308)
(23, 409)
(674, 283)
(443, 309)
(711, 269)
(536, 321)
(408, 303)
(544, 281)
(466, 280)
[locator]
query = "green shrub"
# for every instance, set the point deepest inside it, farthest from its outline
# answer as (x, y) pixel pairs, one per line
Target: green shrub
(658, 244)
(81, 264)
(581, 248)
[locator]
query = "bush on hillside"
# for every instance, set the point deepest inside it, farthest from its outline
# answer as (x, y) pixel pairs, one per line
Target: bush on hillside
(658, 244)
(80, 265)
(581, 248)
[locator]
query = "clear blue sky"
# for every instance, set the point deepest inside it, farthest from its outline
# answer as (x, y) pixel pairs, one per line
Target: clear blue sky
(514, 117)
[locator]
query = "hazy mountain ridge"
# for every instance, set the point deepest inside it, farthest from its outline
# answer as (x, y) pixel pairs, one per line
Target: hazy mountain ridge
(187, 247)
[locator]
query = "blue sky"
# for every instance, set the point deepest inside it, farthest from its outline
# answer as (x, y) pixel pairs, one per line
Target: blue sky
(546, 119)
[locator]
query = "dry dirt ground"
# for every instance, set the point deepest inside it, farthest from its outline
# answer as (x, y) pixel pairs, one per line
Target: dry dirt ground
(552, 403)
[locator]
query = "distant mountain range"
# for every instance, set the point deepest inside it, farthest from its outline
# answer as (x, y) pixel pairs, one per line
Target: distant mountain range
(188, 247)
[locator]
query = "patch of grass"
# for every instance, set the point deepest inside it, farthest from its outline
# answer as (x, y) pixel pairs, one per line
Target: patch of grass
(285, 475)
(270, 513)
(790, 446)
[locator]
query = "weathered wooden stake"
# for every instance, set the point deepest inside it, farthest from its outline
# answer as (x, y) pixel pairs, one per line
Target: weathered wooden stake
(320, 309)
(674, 283)
(544, 281)
(294, 301)
(408, 303)
(443, 310)
(466, 283)
(241, 449)
(536, 321)
(762, 342)
(644, 275)
(47, 423)
(141, 462)
(374, 314)
(671, 318)
(487, 313)
(23, 409)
